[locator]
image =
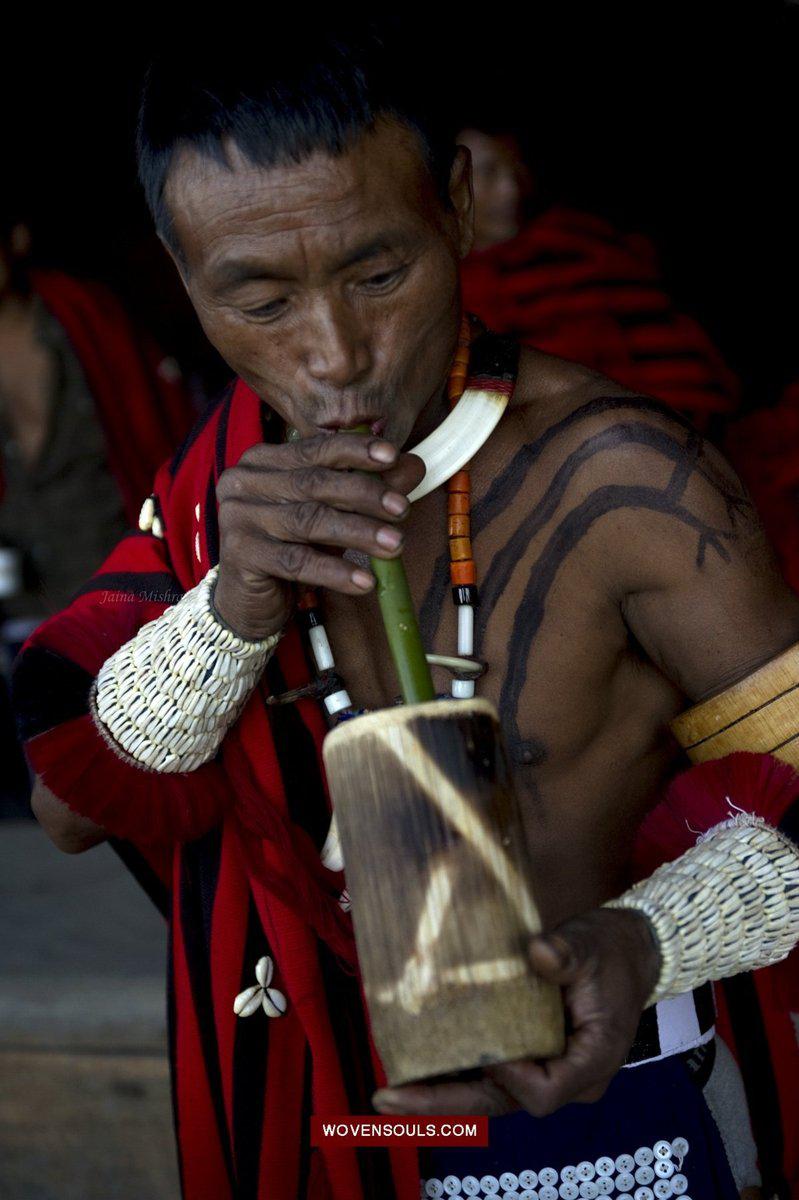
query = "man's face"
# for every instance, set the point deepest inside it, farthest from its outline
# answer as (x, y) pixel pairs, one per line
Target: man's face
(501, 183)
(330, 286)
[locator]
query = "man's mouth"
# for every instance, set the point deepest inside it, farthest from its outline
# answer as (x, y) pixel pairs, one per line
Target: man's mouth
(376, 425)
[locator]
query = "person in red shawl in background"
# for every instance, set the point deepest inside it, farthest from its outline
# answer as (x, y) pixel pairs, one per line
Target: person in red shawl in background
(89, 407)
(567, 282)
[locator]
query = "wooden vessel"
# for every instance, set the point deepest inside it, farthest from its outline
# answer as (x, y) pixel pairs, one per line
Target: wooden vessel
(437, 871)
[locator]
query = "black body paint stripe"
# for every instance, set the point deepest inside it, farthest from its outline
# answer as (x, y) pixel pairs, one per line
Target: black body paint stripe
(530, 613)
(507, 484)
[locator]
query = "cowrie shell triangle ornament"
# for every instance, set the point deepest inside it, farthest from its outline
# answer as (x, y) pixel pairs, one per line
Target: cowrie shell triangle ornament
(261, 995)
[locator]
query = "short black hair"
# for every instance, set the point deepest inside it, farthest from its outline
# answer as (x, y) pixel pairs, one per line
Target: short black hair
(282, 91)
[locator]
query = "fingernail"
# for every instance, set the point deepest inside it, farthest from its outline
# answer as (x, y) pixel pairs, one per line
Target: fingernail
(395, 503)
(385, 1100)
(382, 452)
(363, 579)
(388, 538)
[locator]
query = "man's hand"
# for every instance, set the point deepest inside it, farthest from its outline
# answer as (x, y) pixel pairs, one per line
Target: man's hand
(279, 504)
(607, 964)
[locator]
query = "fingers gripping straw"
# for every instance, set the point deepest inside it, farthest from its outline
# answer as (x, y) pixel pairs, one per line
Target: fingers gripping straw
(401, 625)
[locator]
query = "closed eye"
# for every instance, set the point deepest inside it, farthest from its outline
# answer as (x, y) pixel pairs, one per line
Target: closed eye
(383, 280)
(266, 311)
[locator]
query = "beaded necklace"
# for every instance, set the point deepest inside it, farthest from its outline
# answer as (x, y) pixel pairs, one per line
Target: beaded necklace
(329, 687)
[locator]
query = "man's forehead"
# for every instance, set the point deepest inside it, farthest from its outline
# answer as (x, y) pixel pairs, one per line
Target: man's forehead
(215, 204)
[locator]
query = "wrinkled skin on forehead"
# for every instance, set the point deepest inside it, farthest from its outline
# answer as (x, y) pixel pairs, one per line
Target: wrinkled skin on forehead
(330, 286)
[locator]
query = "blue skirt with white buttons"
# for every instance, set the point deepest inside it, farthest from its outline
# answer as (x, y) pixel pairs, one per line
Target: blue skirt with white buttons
(650, 1137)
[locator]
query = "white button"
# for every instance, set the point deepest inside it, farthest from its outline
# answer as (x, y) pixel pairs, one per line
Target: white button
(604, 1166)
(679, 1184)
(624, 1163)
(624, 1182)
(452, 1185)
(434, 1188)
(679, 1147)
(643, 1193)
(589, 1190)
(663, 1189)
(547, 1192)
(512, 1195)
(528, 1179)
(586, 1170)
(548, 1176)
(624, 1196)
(490, 1184)
(569, 1174)
(644, 1175)
(470, 1185)
(568, 1191)
(528, 1194)
(604, 1185)
(662, 1149)
(509, 1181)
(643, 1156)
(664, 1167)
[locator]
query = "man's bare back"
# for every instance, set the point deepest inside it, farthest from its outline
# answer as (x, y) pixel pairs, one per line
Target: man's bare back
(587, 500)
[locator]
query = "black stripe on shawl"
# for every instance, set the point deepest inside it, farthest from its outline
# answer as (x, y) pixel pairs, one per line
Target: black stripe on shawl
(299, 767)
(249, 1069)
(220, 441)
(348, 1022)
(47, 689)
(754, 1057)
(211, 513)
(198, 879)
(199, 425)
(304, 1171)
(143, 873)
(159, 587)
(171, 1036)
(211, 521)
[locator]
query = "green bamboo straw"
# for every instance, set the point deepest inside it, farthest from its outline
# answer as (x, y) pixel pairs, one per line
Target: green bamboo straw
(401, 626)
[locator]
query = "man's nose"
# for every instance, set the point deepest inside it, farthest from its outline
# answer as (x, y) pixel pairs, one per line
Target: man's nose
(337, 348)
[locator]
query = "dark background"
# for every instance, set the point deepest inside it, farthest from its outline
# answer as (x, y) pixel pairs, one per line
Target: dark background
(676, 120)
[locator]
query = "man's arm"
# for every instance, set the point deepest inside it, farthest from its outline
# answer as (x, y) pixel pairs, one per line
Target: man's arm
(699, 585)
(67, 830)
(680, 550)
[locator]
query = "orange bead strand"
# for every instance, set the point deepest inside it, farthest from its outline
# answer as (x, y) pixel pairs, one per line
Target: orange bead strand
(459, 488)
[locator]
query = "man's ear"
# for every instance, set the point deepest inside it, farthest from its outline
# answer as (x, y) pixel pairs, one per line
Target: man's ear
(461, 198)
(178, 261)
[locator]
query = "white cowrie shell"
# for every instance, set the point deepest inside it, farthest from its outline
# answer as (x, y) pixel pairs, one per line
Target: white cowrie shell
(274, 1002)
(157, 528)
(147, 514)
(332, 856)
(264, 970)
(248, 1001)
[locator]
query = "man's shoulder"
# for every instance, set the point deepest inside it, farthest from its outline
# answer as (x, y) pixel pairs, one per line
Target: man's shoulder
(560, 407)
